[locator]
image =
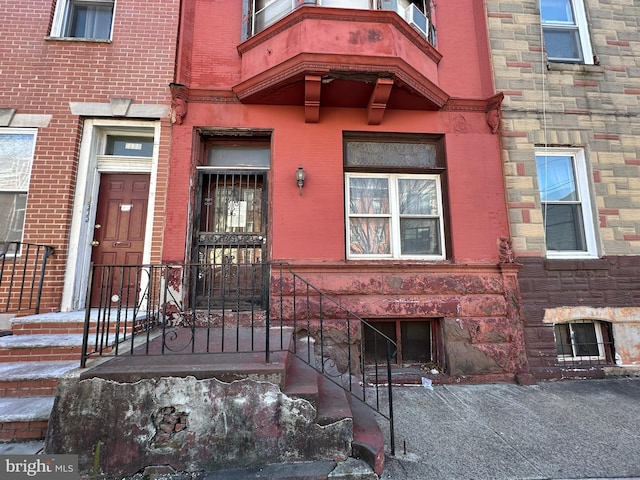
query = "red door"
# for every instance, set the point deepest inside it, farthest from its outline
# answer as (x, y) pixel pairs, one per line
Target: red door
(119, 237)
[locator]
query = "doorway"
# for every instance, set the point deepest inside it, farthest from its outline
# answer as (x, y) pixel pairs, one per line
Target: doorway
(119, 236)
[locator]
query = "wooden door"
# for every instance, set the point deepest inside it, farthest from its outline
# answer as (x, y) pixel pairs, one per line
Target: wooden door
(118, 242)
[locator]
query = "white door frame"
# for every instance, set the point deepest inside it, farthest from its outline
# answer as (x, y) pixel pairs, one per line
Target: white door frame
(91, 163)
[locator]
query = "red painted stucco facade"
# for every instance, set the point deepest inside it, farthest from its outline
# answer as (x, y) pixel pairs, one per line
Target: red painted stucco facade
(281, 85)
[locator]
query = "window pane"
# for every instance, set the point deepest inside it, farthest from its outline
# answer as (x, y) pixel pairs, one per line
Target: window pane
(90, 20)
(375, 345)
(129, 146)
(12, 210)
(563, 227)
(16, 154)
(562, 44)
(585, 339)
(416, 342)
(418, 197)
(368, 196)
(563, 339)
(556, 11)
(419, 236)
(239, 156)
(556, 178)
(369, 236)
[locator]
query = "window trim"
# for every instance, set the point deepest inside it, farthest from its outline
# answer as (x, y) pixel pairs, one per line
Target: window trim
(22, 131)
(395, 217)
(582, 26)
(585, 200)
(61, 21)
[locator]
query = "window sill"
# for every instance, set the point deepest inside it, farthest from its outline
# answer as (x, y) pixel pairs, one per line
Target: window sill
(78, 39)
(575, 68)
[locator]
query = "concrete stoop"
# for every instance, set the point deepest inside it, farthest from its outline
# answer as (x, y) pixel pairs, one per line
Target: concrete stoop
(320, 430)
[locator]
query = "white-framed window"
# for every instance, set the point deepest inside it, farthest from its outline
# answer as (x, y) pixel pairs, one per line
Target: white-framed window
(17, 146)
(86, 19)
(581, 341)
(565, 30)
(394, 216)
(566, 204)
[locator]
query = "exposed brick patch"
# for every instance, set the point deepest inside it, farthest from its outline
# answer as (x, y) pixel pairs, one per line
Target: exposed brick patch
(632, 161)
(500, 15)
(603, 221)
(609, 211)
(632, 91)
(632, 238)
(23, 430)
(512, 93)
(520, 169)
(526, 216)
(606, 136)
(535, 48)
(596, 176)
(611, 68)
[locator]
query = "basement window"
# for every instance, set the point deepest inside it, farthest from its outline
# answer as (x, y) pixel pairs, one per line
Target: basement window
(584, 341)
(414, 342)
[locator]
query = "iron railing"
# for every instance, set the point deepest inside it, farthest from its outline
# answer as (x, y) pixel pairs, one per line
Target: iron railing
(22, 270)
(147, 310)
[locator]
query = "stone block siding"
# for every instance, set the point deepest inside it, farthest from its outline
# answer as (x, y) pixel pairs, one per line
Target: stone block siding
(596, 107)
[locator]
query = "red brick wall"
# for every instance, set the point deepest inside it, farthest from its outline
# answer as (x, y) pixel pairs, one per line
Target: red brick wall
(41, 76)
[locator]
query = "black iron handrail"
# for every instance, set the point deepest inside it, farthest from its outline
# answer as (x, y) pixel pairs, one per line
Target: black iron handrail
(22, 271)
(159, 310)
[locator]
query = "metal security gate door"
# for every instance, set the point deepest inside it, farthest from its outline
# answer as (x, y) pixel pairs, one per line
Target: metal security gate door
(230, 240)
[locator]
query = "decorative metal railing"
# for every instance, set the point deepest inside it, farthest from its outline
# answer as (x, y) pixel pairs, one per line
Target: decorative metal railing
(22, 270)
(152, 310)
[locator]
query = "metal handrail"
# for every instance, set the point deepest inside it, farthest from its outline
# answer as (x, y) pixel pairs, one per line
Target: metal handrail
(153, 310)
(22, 271)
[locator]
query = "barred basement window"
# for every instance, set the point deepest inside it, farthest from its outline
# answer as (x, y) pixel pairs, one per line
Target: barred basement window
(584, 341)
(416, 342)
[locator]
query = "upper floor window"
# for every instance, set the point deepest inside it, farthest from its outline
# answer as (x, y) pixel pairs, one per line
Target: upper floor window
(565, 200)
(16, 157)
(88, 19)
(395, 214)
(566, 35)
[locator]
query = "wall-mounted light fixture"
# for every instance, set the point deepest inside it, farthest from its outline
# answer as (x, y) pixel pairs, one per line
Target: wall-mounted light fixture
(300, 174)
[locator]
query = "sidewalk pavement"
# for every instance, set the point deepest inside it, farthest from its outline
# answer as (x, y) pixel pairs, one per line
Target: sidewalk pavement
(578, 429)
(553, 430)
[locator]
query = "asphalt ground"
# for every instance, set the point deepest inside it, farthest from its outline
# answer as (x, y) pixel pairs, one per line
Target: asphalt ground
(574, 429)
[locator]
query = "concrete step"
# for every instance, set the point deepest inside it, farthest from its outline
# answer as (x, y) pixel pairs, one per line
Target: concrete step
(333, 405)
(40, 347)
(23, 379)
(24, 418)
(350, 470)
(63, 323)
(368, 440)
(300, 380)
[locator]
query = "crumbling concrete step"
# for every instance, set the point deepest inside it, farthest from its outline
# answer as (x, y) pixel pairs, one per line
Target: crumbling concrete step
(301, 380)
(33, 348)
(22, 379)
(24, 418)
(333, 405)
(368, 440)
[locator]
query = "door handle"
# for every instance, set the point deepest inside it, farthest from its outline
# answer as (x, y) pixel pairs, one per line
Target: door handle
(95, 243)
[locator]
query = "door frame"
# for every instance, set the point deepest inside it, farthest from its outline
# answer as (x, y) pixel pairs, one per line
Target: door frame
(91, 164)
